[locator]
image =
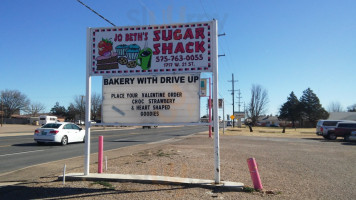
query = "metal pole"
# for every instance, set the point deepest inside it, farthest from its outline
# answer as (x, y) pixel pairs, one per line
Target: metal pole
(87, 108)
(100, 154)
(209, 103)
(233, 100)
(2, 110)
(81, 110)
(216, 104)
(106, 163)
(223, 106)
(64, 174)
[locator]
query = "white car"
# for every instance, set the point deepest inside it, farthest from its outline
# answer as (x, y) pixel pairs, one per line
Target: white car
(59, 132)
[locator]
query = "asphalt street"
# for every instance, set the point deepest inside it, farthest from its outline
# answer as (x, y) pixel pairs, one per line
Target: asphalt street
(18, 152)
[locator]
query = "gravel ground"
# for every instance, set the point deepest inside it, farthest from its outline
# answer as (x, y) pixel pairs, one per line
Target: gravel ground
(295, 165)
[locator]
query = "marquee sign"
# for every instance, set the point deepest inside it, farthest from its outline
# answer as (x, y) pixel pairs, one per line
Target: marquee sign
(151, 75)
(151, 99)
(160, 49)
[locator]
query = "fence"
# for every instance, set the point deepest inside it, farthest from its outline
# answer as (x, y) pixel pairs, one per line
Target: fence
(16, 121)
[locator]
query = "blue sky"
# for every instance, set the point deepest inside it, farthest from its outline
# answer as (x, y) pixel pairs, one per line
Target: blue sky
(282, 45)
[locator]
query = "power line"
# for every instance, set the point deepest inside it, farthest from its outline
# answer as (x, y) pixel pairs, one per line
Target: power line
(206, 15)
(96, 13)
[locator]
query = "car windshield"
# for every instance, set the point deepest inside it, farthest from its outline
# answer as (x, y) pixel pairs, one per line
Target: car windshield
(51, 125)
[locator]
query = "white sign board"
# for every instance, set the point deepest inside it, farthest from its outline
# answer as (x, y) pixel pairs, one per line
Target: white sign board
(151, 99)
(239, 114)
(158, 49)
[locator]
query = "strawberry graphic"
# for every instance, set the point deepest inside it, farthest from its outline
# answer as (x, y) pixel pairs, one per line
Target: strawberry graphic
(105, 47)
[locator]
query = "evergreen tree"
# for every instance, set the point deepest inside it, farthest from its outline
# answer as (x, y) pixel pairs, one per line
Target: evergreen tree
(351, 108)
(58, 110)
(72, 111)
(290, 110)
(311, 108)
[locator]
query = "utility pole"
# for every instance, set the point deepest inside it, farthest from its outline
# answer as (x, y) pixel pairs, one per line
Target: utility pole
(233, 96)
(239, 97)
(239, 104)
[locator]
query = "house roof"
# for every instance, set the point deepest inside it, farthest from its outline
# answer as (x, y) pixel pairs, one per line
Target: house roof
(267, 118)
(342, 116)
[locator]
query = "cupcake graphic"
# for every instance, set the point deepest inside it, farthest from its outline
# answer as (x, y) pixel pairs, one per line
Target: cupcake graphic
(132, 54)
(121, 49)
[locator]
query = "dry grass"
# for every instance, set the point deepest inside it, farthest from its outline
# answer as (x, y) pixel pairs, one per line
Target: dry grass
(270, 132)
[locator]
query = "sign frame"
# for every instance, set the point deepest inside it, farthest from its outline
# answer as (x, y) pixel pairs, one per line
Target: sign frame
(183, 87)
(117, 50)
(212, 67)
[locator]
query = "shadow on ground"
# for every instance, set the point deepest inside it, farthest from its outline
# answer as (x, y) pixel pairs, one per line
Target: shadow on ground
(349, 143)
(65, 192)
(25, 144)
(323, 140)
(341, 141)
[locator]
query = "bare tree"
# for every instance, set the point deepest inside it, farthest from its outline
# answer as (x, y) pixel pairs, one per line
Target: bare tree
(335, 106)
(34, 109)
(258, 103)
(96, 101)
(13, 101)
(79, 105)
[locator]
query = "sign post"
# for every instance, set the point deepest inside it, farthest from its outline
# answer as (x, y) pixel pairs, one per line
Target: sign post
(209, 107)
(87, 107)
(215, 102)
(223, 107)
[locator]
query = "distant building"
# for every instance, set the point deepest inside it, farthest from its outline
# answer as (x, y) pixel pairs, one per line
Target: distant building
(342, 116)
(268, 121)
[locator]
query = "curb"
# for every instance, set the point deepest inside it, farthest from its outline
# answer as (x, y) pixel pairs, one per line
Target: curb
(151, 179)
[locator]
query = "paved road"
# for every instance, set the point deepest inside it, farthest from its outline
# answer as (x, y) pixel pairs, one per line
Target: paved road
(17, 152)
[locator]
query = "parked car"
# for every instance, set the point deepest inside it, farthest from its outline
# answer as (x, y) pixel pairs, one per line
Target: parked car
(326, 128)
(273, 125)
(80, 122)
(351, 137)
(60, 132)
(44, 119)
(344, 129)
(228, 123)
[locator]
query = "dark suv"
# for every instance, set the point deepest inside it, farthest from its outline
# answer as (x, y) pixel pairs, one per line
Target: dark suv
(344, 129)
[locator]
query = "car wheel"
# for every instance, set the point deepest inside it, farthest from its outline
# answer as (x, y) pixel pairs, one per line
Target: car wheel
(347, 138)
(332, 136)
(84, 139)
(64, 140)
(325, 137)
